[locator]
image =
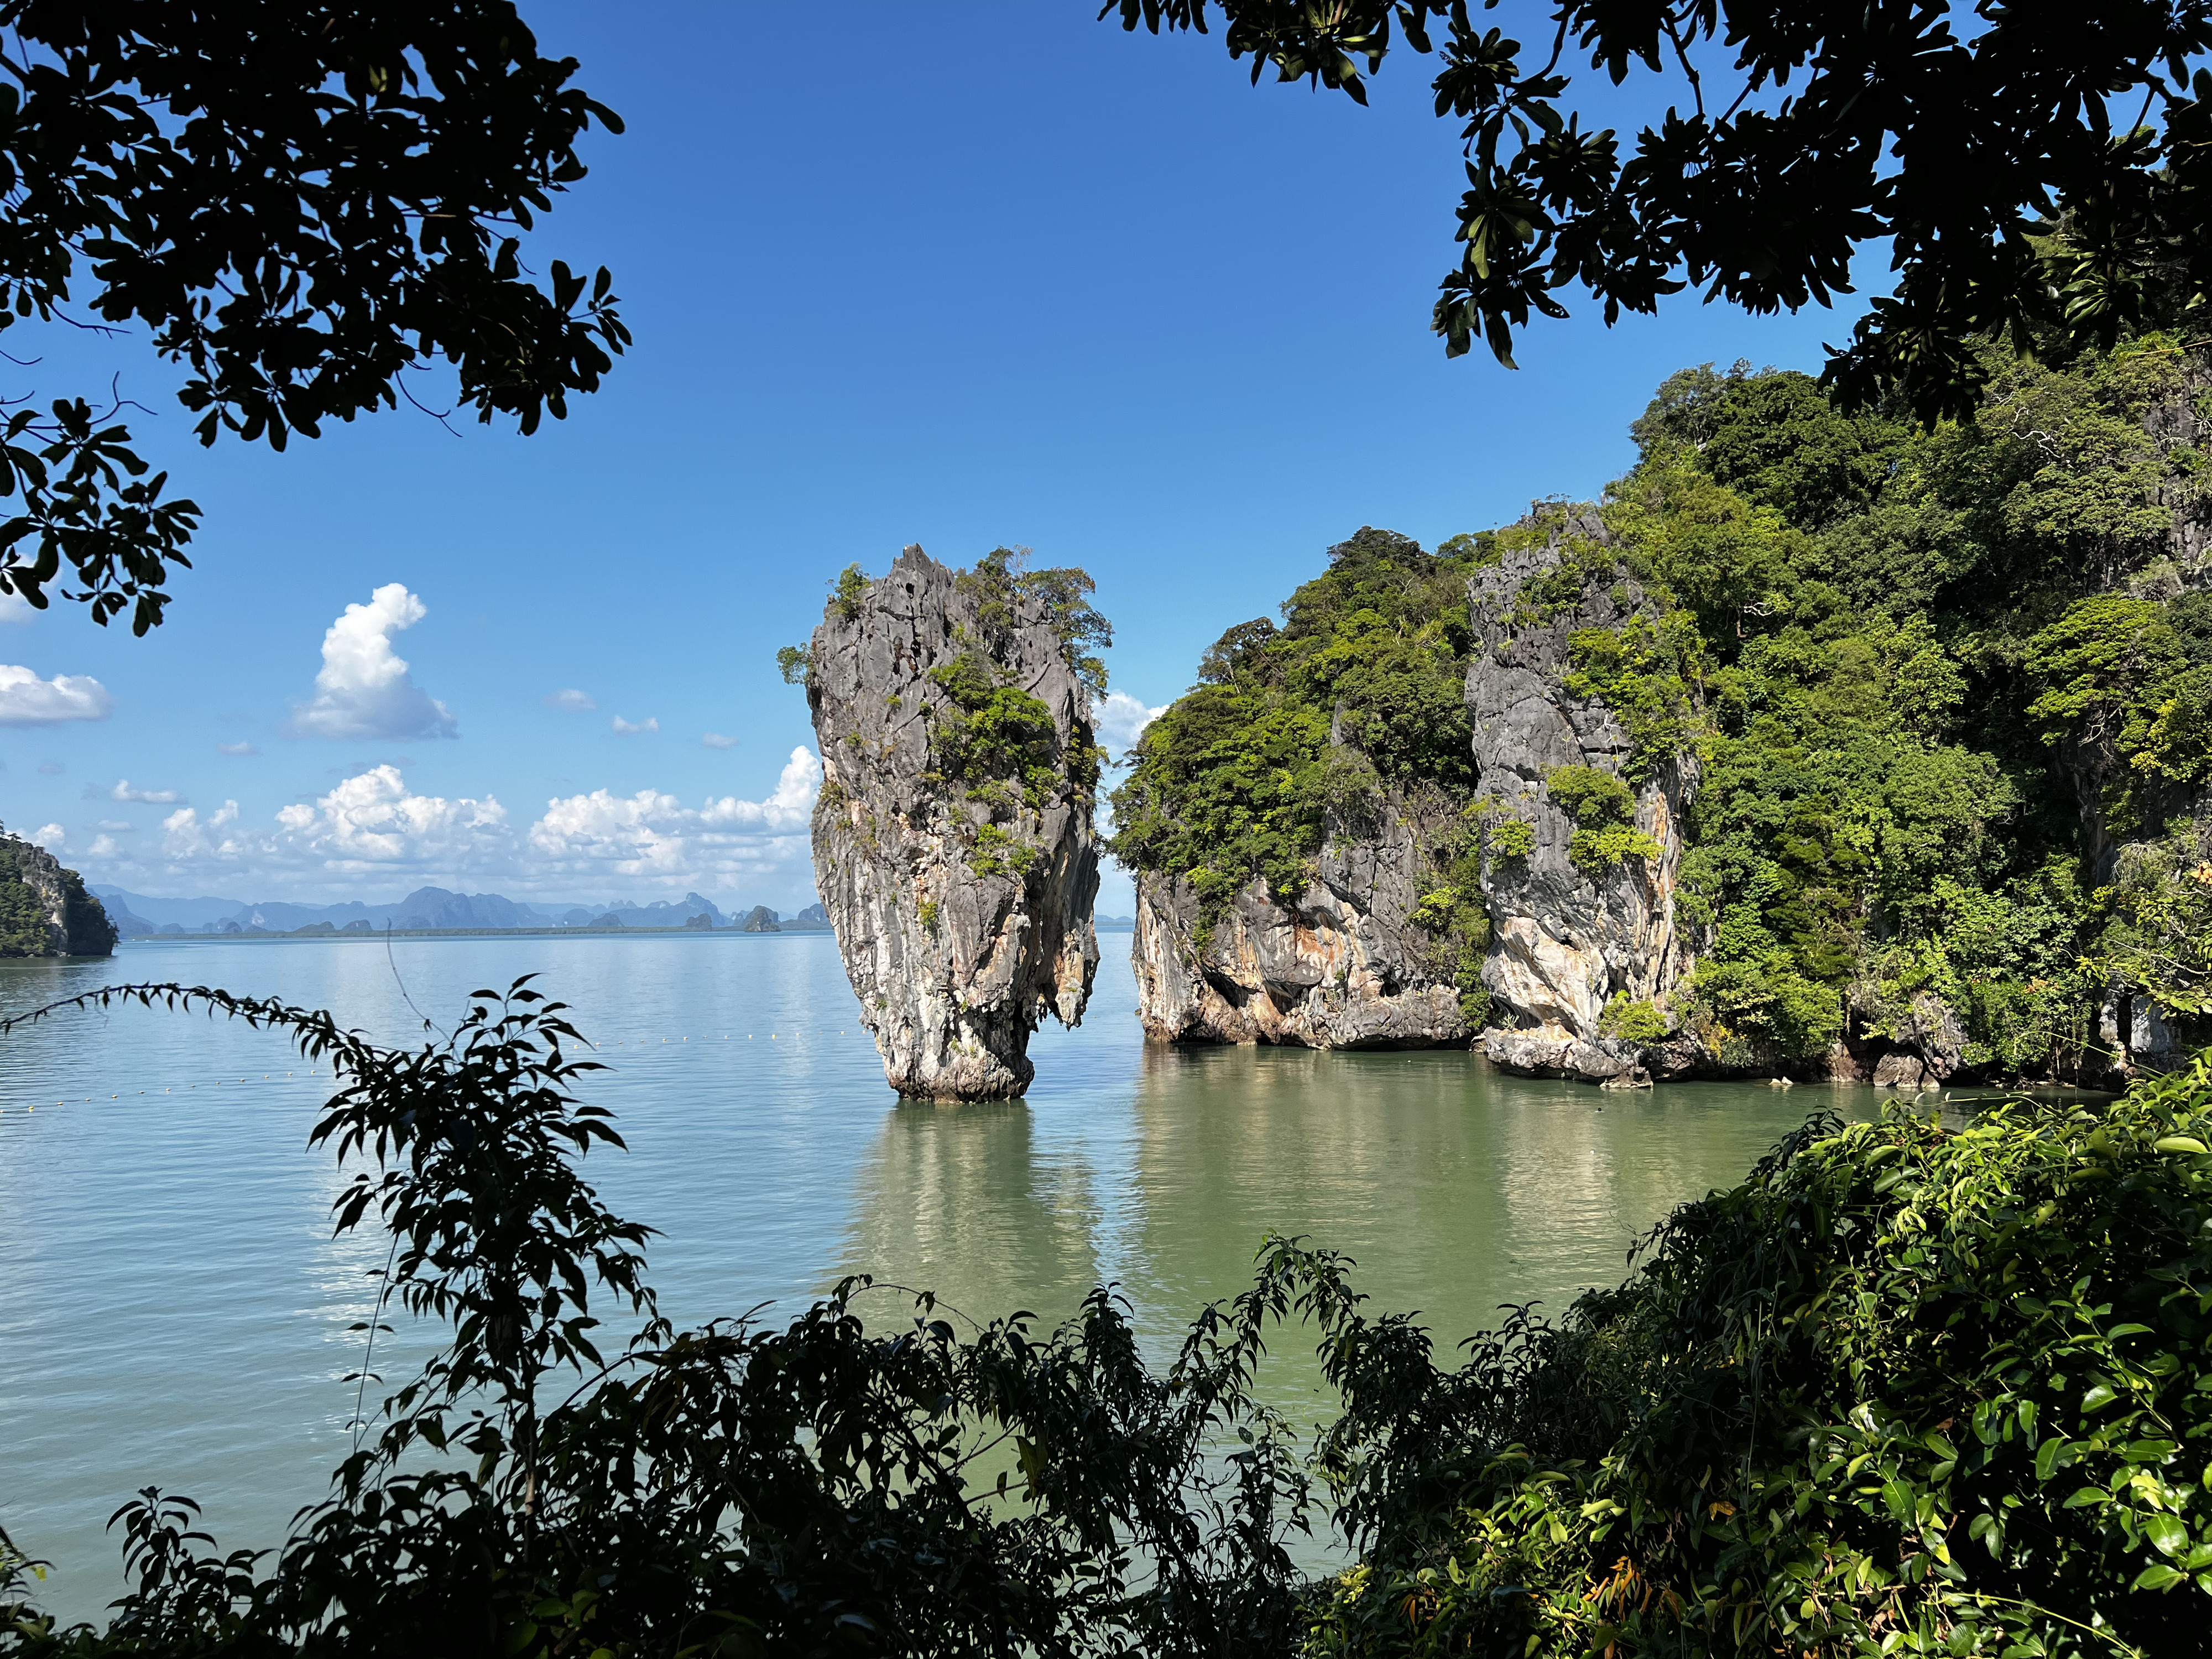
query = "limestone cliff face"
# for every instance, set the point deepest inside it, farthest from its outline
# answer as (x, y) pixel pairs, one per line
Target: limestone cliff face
(1344, 968)
(961, 903)
(1566, 939)
(44, 908)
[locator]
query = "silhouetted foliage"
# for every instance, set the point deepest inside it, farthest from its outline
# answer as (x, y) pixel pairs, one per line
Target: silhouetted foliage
(302, 203)
(2037, 171)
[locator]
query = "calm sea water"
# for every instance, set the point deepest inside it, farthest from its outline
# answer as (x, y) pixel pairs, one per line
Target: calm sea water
(173, 1309)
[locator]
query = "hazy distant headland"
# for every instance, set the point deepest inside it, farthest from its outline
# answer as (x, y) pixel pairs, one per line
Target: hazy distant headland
(435, 910)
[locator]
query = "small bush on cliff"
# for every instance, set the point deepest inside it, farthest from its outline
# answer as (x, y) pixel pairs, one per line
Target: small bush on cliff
(1604, 811)
(1005, 587)
(989, 730)
(1632, 1020)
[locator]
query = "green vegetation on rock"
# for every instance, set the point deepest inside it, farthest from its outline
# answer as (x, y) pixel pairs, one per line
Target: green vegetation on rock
(1237, 779)
(1946, 694)
(32, 885)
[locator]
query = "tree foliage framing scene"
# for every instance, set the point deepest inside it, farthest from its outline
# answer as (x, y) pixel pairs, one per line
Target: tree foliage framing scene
(2034, 172)
(302, 206)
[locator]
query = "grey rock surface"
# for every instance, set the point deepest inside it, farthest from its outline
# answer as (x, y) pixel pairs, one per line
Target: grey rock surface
(1565, 941)
(1343, 968)
(955, 954)
(44, 910)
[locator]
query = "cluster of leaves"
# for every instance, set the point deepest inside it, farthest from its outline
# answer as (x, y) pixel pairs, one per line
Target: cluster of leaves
(1604, 811)
(1649, 671)
(1633, 1020)
(1009, 593)
(1292, 728)
(1905, 1391)
(302, 204)
(2127, 688)
(989, 734)
(2009, 158)
(941, 1488)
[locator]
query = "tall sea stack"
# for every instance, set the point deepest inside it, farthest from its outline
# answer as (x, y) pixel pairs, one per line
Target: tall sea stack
(953, 840)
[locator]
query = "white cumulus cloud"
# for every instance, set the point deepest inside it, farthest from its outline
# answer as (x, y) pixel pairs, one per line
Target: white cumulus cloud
(125, 790)
(370, 822)
(630, 729)
(364, 690)
(26, 699)
(575, 701)
(371, 837)
(1121, 719)
(653, 833)
(373, 818)
(50, 835)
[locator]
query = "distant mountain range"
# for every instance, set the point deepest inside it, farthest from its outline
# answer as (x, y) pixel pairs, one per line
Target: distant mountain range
(138, 914)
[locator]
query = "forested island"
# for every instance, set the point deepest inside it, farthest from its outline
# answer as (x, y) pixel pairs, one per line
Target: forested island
(44, 910)
(1823, 745)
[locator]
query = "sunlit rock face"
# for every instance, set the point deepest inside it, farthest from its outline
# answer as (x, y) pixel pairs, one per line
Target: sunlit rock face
(964, 916)
(44, 910)
(1343, 968)
(1565, 939)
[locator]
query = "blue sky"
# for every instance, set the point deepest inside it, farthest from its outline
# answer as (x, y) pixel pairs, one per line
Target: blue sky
(958, 274)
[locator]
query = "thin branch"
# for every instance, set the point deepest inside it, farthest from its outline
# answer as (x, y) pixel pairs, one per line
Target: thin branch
(1682, 56)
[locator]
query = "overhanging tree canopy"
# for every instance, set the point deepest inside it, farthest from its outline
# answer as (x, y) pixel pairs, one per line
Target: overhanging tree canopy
(300, 203)
(2038, 168)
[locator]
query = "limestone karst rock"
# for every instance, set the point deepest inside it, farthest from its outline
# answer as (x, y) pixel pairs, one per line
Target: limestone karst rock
(1569, 935)
(1297, 821)
(1345, 967)
(953, 840)
(44, 908)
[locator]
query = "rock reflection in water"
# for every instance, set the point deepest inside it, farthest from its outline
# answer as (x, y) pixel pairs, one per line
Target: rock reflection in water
(1455, 1187)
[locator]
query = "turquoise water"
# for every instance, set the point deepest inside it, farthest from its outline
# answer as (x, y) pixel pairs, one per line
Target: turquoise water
(173, 1309)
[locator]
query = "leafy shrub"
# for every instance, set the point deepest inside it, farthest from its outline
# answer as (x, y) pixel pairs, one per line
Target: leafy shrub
(1510, 838)
(989, 729)
(1633, 1021)
(847, 592)
(1905, 1391)
(1007, 587)
(1604, 809)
